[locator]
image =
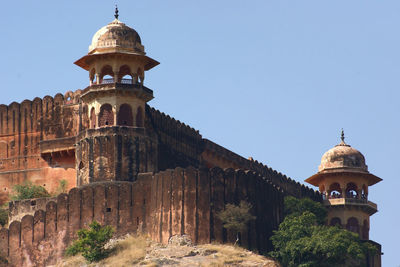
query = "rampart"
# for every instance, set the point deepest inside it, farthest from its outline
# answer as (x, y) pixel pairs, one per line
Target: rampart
(179, 201)
(19, 208)
(215, 154)
(26, 129)
(179, 145)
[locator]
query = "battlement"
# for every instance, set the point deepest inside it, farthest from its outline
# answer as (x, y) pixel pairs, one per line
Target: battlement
(229, 158)
(178, 201)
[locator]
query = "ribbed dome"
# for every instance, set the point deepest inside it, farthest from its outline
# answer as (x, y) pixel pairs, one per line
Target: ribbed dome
(116, 37)
(343, 157)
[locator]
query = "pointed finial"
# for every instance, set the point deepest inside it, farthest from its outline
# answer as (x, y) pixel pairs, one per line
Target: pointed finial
(116, 12)
(342, 136)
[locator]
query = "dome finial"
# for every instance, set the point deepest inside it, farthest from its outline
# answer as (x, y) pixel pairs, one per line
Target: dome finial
(116, 12)
(342, 136)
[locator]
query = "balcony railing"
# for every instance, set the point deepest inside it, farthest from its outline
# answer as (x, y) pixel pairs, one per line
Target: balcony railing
(351, 201)
(111, 80)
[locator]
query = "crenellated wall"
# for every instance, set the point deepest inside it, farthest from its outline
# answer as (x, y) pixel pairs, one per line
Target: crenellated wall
(27, 130)
(215, 155)
(179, 145)
(179, 201)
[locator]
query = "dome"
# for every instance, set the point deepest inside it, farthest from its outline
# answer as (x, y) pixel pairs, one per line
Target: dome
(116, 37)
(343, 157)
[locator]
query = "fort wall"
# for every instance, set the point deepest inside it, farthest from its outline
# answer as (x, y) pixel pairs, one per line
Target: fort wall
(179, 201)
(179, 145)
(24, 127)
(19, 208)
(216, 155)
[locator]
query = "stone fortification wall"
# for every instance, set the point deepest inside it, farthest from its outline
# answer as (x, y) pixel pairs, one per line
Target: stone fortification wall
(179, 145)
(187, 201)
(114, 153)
(216, 155)
(179, 201)
(19, 208)
(25, 132)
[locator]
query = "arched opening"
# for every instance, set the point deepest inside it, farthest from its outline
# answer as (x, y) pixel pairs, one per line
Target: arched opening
(335, 191)
(106, 75)
(125, 117)
(125, 74)
(92, 118)
(351, 190)
(106, 116)
(335, 222)
(139, 117)
(352, 225)
(365, 230)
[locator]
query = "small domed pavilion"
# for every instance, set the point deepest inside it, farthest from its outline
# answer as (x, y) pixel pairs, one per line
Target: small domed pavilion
(343, 180)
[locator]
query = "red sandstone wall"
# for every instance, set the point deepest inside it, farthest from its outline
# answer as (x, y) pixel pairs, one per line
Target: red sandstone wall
(23, 128)
(179, 201)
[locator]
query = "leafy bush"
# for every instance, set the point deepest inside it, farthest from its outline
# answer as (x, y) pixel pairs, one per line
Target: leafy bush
(3, 216)
(235, 218)
(91, 242)
(303, 240)
(28, 190)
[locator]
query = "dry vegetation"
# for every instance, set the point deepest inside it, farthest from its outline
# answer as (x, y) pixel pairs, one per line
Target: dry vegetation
(228, 255)
(140, 251)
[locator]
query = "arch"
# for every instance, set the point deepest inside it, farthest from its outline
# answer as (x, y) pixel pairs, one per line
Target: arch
(106, 115)
(335, 222)
(351, 190)
(106, 74)
(365, 230)
(125, 74)
(92, 118)
(334, 190)
(125, 117)
(139, 117)
(352, 225)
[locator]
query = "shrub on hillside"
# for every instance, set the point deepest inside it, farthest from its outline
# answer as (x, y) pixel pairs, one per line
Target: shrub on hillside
(91, 242)
(28, 190)
(3, 216)
(236, 218)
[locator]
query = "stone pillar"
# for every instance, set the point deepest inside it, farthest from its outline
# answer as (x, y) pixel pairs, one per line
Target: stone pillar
(114, 109)
(116, 74)
(343, 188)
(97, 78)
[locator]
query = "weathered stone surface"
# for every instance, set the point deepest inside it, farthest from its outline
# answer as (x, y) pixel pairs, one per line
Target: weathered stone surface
(172, 202)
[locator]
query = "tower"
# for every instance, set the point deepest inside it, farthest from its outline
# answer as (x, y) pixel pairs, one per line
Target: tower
(343, 180)
(112, 143)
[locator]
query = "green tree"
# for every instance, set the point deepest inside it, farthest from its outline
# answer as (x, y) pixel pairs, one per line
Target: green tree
(28, 190)
(91, 242)
(302, 239)
(236, 218)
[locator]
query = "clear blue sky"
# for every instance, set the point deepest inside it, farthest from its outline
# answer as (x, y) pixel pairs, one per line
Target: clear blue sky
(275, 80)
